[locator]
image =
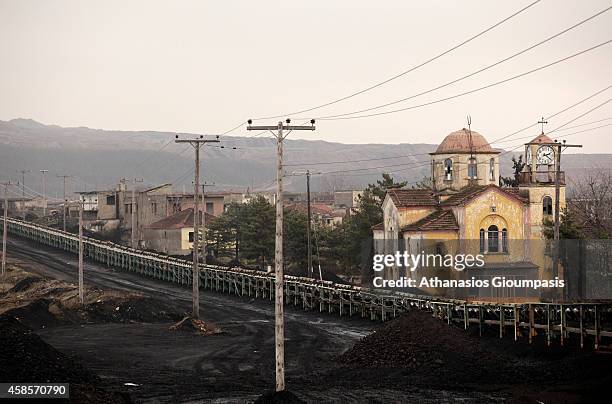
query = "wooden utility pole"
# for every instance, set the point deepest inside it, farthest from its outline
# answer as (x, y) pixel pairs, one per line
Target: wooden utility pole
(133, 213)
(5, 227)
(279, 334)
(44, 191)
(196, 143)
(560, 147)
(308, 173)
(23, 173)
(81, 202)
(65, 200)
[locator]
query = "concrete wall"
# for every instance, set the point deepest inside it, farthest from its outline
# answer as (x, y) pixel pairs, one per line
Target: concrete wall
(167, 241)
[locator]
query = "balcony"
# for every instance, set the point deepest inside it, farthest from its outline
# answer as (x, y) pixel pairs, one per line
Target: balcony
(541, 177)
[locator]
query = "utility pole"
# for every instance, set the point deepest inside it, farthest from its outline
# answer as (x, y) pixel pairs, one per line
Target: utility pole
(81, 202)
(204, 255)
(279, 334)
(23, 173)
(196, 143)
(5, 227)
(558, 151)
(133, 208)
(308, 173)
(65, 200)
(44, 191)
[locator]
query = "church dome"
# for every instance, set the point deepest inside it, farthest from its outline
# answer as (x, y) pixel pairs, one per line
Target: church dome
(459, 142)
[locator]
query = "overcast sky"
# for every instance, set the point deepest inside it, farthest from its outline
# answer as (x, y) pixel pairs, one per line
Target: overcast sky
(205, 66)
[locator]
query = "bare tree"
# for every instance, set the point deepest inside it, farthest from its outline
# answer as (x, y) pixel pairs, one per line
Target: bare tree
(591, 202)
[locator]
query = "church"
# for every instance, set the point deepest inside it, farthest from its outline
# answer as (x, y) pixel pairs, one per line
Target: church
(467, 211)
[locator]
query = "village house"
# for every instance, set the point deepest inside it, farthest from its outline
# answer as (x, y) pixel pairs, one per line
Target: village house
(321, 213)
(174, 234)
(466, 211)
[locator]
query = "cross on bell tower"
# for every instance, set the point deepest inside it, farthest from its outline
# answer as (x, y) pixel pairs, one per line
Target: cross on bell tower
(542, 121)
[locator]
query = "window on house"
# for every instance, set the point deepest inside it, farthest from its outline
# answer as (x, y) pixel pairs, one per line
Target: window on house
(493, 236)
(472, 169)
(505, 240)
(448, 169)
(547, 208)
(154, 208)
(492, 169)
(191, 237)
(128, 208)
(110, 199)
(209, 207)
(482, 241)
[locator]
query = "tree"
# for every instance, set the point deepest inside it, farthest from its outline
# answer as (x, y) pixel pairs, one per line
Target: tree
(568, 228)
(517, 166)
(424, 183)
(591, 203)
(379, 189)
(295, 238)
(223, 233)
(257, 231)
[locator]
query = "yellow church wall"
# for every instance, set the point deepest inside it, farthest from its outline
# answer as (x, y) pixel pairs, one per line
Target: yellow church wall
(410, 215)
(433, 234)
(508, 213)
(536, 195)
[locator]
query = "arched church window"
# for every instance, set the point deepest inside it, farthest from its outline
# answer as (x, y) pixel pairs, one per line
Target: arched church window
(492, 169)
(482, 240)
(472, 169)
(505, 240)
(547, 208)
(448, 169)
(493, 236)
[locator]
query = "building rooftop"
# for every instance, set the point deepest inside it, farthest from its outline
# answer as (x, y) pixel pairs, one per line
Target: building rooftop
(464, 141)
(412, 197)
(471, 192)
(179, 220)
(542, 138)
(438, 220)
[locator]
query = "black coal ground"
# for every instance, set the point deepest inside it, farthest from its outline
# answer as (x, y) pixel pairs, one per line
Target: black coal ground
(238, 366)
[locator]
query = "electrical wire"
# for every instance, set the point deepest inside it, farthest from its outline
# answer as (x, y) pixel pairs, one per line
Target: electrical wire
(550, 38)
(488, 143)
(408, 70)
(473, 90)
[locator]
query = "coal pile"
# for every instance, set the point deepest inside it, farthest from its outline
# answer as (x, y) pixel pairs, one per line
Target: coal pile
(421, 350)
(25, 357)
(24, 284)
(39, 303)
(419, 343)
(279, 397)
(132, 309)
(196, 326)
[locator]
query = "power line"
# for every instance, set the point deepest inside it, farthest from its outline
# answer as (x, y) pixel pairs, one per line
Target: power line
(424, 163)
(473, 90)
(585, 124)
(405, 71)
(499, 140)
(355, 161)
(550, 38)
